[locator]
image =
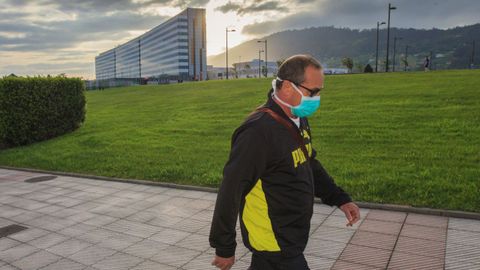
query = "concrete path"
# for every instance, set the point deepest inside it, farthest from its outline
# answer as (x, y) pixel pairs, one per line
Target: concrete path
(76, 223)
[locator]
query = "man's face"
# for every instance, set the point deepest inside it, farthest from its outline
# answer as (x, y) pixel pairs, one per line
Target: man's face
(314, 79)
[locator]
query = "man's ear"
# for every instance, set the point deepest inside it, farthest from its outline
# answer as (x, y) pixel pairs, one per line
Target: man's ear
(287, 89)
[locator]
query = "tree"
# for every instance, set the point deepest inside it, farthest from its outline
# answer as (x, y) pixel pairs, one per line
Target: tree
(348, 62)
(368, 69)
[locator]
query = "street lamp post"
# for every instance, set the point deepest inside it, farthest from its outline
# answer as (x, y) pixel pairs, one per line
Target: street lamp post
(390, 8)
(376, 50)
(259, 61)
(406, 58)
(394, 46)
(226, 49)
(266, 65)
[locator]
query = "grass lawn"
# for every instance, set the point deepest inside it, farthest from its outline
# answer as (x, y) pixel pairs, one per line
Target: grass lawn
(390, 138)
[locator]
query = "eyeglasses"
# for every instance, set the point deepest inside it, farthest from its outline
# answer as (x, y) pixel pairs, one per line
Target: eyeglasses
(313, 92)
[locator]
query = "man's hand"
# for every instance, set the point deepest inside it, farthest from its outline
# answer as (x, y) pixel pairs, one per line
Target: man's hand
(352, 212)
(223, 263)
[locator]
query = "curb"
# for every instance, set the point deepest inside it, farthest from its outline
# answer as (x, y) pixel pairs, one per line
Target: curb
(116, 179)
(378, 206)
(420, 210)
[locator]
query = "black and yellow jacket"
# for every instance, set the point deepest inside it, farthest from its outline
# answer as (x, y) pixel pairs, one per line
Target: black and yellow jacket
(270, 184)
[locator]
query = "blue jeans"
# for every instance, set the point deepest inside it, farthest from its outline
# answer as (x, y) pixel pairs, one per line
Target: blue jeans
(281, 263)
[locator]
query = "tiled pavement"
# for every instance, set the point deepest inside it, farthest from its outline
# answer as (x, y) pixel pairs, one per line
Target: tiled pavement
(77, 223)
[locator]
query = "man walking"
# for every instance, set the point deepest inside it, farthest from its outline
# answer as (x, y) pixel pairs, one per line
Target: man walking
(272, 176)
(426, 63)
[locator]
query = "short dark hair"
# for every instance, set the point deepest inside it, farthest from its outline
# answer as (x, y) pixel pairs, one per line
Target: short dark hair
(293, 68)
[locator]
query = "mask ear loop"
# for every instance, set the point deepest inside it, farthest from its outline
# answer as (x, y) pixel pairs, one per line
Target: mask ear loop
(274, 86)
(274, 83)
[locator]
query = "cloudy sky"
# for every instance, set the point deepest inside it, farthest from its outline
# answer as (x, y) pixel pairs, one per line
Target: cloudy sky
(64, 36)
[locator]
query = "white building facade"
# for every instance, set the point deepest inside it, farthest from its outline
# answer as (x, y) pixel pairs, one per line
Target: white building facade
(174, 50)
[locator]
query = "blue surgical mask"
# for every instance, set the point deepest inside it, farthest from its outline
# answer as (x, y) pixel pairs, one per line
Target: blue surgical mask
(307, 106)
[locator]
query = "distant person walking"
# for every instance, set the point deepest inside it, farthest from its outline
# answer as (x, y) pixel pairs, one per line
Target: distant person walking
(426, 63)
(273, 175)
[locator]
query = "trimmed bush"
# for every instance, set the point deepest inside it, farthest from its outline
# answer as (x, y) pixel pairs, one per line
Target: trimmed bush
(34, 109)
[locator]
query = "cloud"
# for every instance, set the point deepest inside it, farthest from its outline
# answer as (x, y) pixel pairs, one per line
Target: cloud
(30, 25)
(358, 14)
(229, 6)
(53, 27)
(96, 6)
(191, 3)
(255, 7)
(65, 34)
(267, 6)
(92, 5)
(9, 15)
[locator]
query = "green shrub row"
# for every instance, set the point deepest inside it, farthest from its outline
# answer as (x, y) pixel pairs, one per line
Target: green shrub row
(34, 109)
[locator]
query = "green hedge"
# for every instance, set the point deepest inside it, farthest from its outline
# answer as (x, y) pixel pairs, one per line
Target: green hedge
(34, 109)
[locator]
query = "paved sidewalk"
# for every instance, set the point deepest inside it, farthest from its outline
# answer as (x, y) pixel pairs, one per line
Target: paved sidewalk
(77, 223)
